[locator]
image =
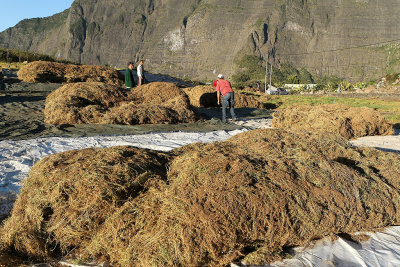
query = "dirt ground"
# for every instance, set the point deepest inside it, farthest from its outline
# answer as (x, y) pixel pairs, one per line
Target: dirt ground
(21, 116)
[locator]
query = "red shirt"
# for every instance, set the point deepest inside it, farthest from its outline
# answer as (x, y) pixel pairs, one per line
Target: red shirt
(215, 83)
(224, 87)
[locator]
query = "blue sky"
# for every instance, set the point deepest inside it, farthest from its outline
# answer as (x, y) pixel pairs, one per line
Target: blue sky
(12, 12)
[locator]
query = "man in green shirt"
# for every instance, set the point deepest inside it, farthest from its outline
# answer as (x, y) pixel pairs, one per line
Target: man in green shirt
(129, 80)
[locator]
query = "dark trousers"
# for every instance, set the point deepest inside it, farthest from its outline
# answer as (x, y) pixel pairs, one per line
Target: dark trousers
(228, 99)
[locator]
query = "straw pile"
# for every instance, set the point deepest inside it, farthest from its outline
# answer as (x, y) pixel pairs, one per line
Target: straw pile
(202, 96)
(248, 101)
(334, 118)
(244, 199)
(153, 103)
(206, 96)
(71, 194)
(44, 71)
(78, 103)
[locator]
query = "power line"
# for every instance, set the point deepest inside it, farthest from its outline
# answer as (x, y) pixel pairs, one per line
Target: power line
(341, 49)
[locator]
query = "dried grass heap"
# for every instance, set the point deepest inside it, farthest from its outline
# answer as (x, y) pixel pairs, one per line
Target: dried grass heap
(239, 200)
(78, 103)
(202, 96)
(71, 194)
(243, 100)
(45, 71)
(206, 96)
(334, 118)
(153, 103)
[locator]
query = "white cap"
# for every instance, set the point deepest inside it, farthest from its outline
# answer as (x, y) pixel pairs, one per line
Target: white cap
(220, 76)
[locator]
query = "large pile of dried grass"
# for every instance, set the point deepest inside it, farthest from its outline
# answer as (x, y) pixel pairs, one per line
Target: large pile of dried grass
(206, 96)
(243, 199)
(44, 71)
(202, 96)
(347, 121)
(153, 103)
(68, 196)
(243, 100)
(78, 103)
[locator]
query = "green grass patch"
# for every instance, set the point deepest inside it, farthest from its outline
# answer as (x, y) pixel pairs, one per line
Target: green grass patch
(389, 108)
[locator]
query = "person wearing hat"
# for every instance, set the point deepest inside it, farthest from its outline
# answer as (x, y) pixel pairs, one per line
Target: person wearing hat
(224, 88)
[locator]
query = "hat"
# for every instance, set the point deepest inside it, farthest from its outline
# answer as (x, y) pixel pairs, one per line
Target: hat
(220, 76)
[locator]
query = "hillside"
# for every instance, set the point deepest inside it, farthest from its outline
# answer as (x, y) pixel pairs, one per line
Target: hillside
(197, 38)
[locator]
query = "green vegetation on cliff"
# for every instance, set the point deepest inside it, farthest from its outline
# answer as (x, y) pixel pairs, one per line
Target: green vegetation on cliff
(252, 69)
(40, 25)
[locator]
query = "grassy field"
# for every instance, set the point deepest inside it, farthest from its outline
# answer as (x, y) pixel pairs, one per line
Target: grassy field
(13, 65)
(390, 108)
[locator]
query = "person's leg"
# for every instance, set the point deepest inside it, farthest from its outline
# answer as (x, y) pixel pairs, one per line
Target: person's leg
(232, 100)
(224, 105)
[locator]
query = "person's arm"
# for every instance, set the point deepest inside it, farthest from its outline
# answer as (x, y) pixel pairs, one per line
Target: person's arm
(218, 88)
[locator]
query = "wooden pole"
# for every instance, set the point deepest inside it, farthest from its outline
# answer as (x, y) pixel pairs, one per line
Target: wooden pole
(266, 74)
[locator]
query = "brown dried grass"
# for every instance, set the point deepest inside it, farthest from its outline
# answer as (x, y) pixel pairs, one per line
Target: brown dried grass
(45, 71)
(68, 196)
(206, 96)
(156, 93)
(340, 119)
(258, 192)
(153, 103)
(78, 103)
(243, 100)
(269, 189)
(202, 96)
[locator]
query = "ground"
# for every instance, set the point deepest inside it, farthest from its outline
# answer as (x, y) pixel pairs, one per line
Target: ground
(21, 107)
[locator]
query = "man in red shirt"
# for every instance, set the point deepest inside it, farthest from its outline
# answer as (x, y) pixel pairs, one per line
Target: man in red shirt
(224, 88)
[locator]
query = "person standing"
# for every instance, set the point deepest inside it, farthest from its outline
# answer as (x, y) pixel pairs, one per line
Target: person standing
(224, 88)
(140, 73)
(129, 79)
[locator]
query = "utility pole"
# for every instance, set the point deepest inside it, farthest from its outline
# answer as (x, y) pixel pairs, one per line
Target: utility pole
(270, 78)
(266, 74)
(8, 53)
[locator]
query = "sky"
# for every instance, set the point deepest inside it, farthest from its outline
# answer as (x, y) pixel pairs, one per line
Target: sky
(12, 12)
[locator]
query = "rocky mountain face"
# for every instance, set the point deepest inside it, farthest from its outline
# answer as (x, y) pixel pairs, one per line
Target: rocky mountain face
(200, 38)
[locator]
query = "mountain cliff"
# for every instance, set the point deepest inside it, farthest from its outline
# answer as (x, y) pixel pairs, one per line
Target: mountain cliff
(199, 38)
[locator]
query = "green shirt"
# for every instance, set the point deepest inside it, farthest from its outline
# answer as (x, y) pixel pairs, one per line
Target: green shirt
(129, 80)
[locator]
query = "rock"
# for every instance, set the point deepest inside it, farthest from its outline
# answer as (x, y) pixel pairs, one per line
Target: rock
(194, 38)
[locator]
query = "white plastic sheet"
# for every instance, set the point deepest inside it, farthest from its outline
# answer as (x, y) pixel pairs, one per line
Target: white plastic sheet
(382, 249)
